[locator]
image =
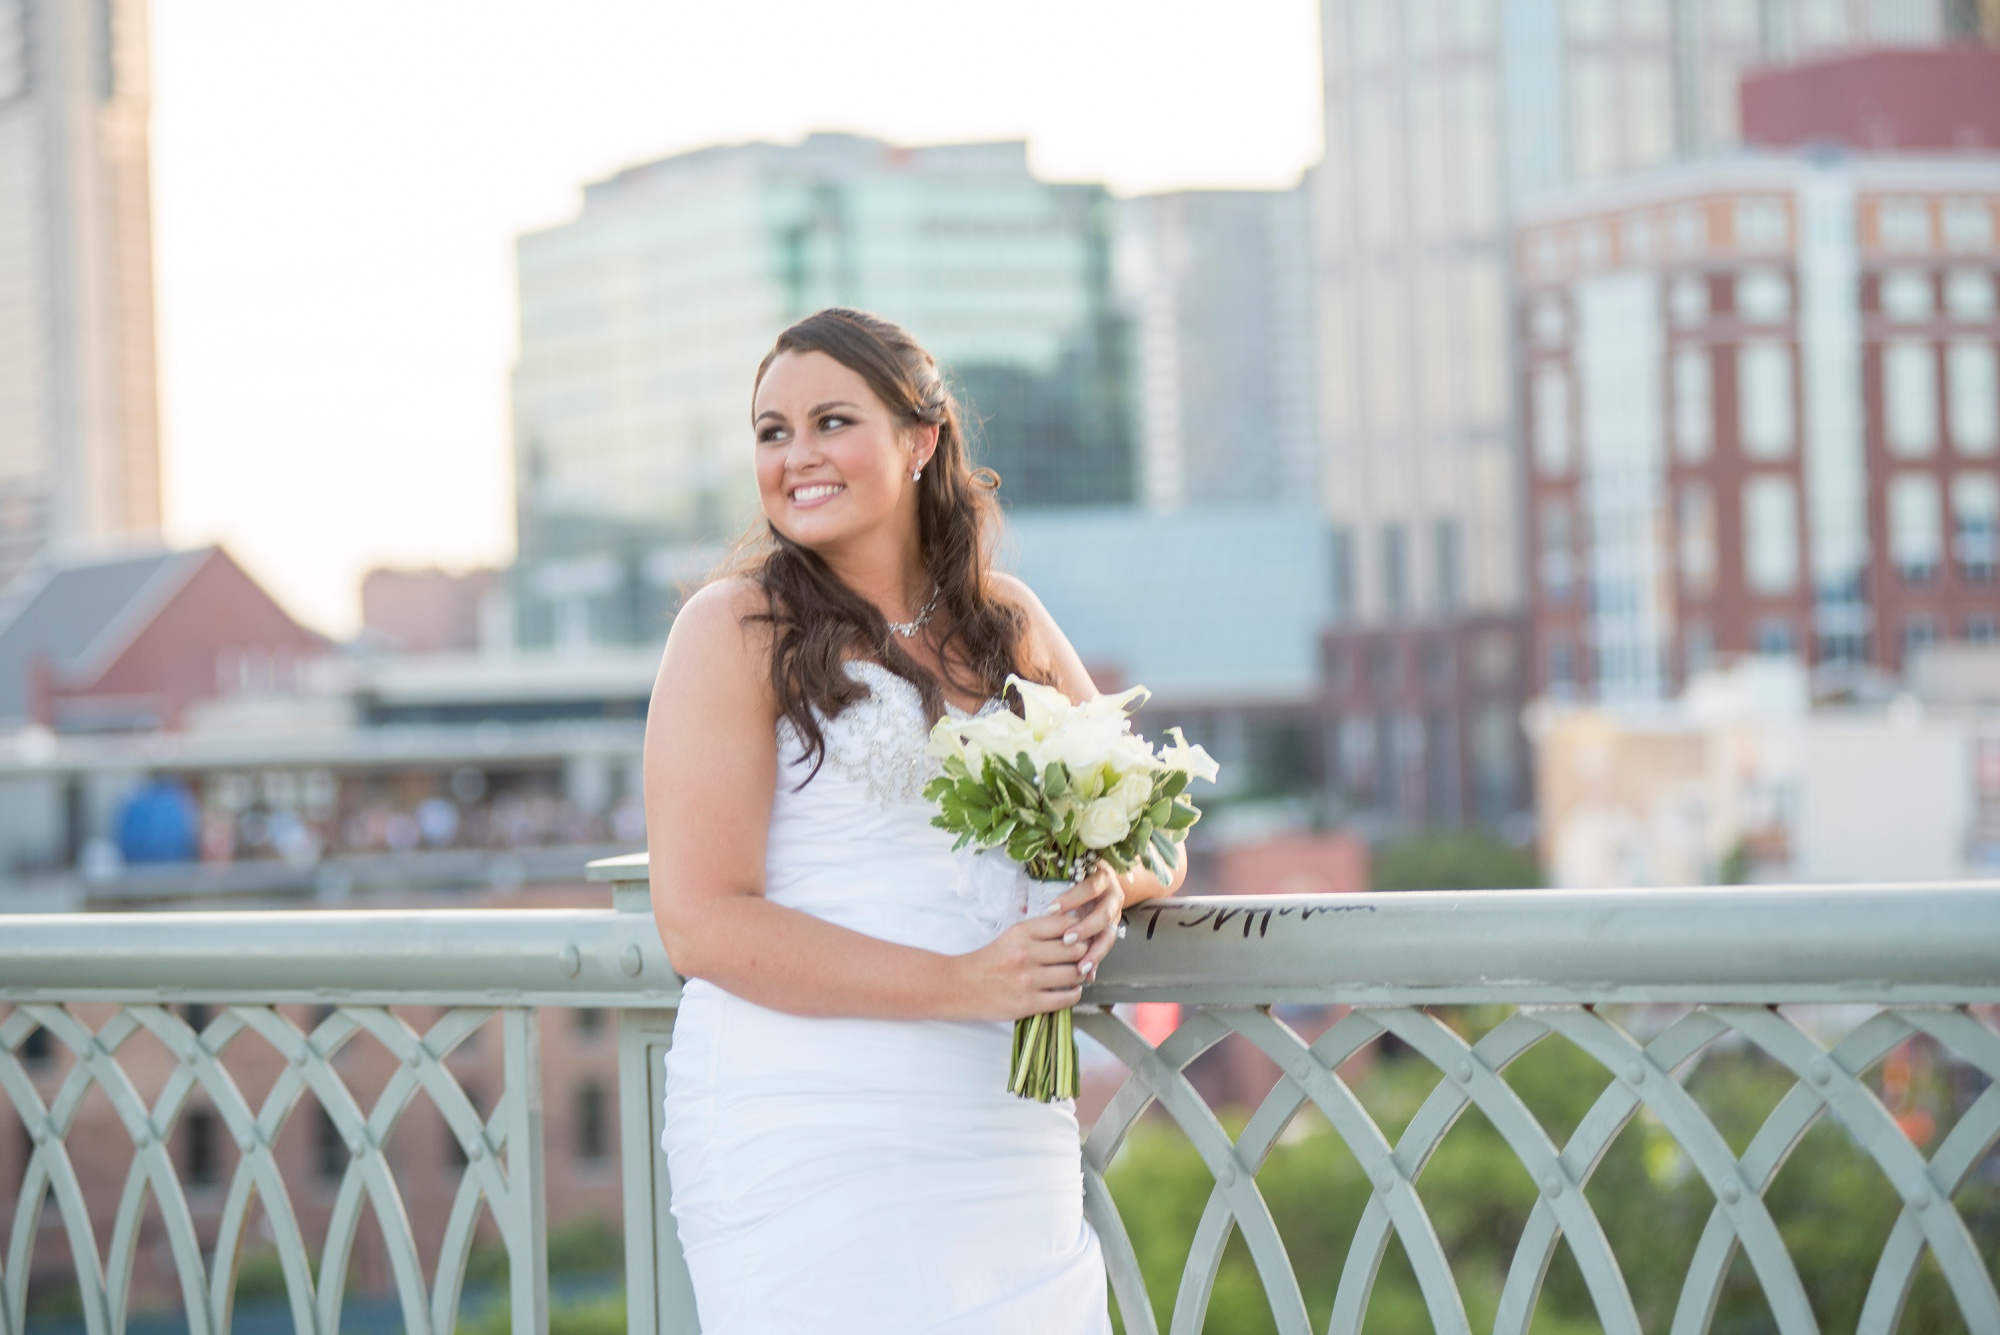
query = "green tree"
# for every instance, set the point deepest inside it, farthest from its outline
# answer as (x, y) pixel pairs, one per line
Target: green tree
(1453, 860)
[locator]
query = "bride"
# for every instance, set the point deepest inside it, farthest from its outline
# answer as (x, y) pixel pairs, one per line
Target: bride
(844, 1153)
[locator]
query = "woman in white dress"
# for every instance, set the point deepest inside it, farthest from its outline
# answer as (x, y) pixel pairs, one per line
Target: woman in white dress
(844, 1153)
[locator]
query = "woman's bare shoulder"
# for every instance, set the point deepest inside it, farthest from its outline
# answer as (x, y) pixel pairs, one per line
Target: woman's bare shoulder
(1047, 647)
(716, 635)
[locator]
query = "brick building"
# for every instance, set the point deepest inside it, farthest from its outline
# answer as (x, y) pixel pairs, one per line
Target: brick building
(1763, 415)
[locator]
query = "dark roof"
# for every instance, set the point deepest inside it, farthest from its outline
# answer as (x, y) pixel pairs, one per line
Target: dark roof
(72, 612)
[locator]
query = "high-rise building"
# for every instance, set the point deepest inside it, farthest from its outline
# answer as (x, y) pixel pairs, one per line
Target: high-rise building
(1763, 406)
(79, 437)
(1219, 284)
(1439, 117)
(643, 320)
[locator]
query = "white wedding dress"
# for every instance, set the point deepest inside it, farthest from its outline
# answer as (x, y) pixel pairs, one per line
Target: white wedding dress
(836, 1176)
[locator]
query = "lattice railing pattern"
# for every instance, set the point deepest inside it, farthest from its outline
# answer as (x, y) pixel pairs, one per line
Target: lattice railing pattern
(501, 1174)
(1649, 1075)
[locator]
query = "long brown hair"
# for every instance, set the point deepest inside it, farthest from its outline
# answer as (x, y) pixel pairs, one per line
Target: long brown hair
(817, 622)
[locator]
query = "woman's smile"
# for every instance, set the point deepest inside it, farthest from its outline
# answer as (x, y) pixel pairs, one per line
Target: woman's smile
(816, 493)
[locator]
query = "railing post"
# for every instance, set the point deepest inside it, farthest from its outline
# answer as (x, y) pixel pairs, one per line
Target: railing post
(658, 1294)
(527, 1213)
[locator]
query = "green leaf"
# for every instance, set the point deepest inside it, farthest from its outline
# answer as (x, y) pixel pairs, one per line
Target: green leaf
(1177, 782)
(1118, 862)
(1167, 847)
(1159, 811)
(1055, 779)
(1181, 817)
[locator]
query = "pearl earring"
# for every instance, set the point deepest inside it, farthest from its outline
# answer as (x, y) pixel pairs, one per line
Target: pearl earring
(916, 473)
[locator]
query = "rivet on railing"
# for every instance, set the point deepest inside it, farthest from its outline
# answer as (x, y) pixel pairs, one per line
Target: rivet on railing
(190, 1057)
(1635, 1071)
(42, 1132)
(414, 1057)
(143, 1139)
(1225, 1176)
(1552, 1185)
(1385, 1182)
(631, 961)
(1464, 1069)
(1920, 1199)
(477, 1150)
(1821, 1070)
(359, 1143)
(572, 960)
(247, 1141)
(1731, 1192)
(304, 1053)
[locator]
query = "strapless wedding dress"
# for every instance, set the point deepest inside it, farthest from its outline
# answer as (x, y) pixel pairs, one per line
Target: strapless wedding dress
(835, 1176)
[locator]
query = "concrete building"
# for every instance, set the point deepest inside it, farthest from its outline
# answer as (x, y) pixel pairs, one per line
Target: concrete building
(79, 446)
(1764, 415)
(643, 320)
(1742, 779)
(1219, 284)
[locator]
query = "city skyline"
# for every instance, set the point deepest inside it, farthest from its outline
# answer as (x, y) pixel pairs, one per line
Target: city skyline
(393, 416)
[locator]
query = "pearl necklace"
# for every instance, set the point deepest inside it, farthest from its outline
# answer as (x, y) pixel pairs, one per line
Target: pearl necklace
(908, 628)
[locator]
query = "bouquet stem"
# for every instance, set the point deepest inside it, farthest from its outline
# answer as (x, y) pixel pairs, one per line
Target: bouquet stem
(1044, 1066)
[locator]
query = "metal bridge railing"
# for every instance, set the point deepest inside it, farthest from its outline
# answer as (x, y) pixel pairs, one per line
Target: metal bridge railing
(1714, 965)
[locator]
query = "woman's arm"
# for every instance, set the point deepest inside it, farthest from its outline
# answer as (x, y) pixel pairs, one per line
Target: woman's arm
(711, 769)
(1052, 648)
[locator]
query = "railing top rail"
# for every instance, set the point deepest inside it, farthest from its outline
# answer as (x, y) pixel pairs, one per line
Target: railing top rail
(1740, 944)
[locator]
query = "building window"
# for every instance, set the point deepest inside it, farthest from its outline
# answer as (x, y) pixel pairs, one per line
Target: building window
(1972, 383)
(1982, 628)
(1775, 638)
(1550, 322)
(1968, 226)
(1688, 299)
(589, 1022)
(1384, 667)
(1437, 665)
(1558, 564)
(1916, 536)
(1395, 570)
(1919, 634)
(1694, 405)
(1448, 559)
(329, 1150)
(1764, 389)
(1975, 520)
(201, 1164)
(1905, 295)
(1334, 665)
(1770, 535)
(36, 1049)
(1904, 225)
(1357, 755)
(1697, 647)
(1760, 225)
(1562, 668)
(1763, 296)
(1340, 549)
(1697, 540)
(1552, 443)
(1968, 295)
(1909, 391)
(593, 1133)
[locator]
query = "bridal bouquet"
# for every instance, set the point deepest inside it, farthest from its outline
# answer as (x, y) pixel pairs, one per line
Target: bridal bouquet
(1061, 787)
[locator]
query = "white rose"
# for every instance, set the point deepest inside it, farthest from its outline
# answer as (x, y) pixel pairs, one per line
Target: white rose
(998, 734)
(1104, 823)
(1133, 794)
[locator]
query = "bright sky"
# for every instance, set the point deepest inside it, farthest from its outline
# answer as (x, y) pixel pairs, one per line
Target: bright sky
(337, 185)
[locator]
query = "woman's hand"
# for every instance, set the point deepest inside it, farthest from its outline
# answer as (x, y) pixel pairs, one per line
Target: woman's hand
(1093, 907)
(1030, 968)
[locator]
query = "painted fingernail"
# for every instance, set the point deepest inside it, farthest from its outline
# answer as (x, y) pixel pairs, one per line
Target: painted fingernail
(1089, 967)
(1069, 938)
